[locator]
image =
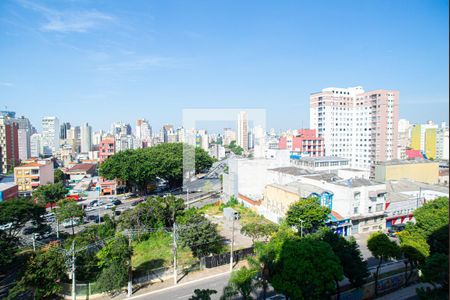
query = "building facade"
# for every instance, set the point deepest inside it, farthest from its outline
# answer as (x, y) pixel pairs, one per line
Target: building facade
(417, 170)
(106, 149)
(30, 176)
(242, 134)
(358, 125)
(86, 138)
(24, 135)
(304, 142)
(9, 144)
(50, 135)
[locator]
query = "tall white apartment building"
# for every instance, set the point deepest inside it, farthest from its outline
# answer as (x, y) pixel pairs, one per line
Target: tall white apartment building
(404, 138)
(228, 136)
(86, 138)
(50, 135)
(35, 145)
(143, 133)
(442, 142)
(242, 138)
(24, 134)
(358, 125)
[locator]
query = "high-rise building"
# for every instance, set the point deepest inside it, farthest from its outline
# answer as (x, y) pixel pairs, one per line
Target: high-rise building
(143, 133)
(86, 138)
(35, 145)
(358, 125)
(24, 134)
(423, 138)
(9, 143)
(404, 138)
(97, 137)
(64, 130)
(166, 131)
(242, 138)
(50, 135)
(442, 142)
(106, 148)
(228, 136)
(74, 138)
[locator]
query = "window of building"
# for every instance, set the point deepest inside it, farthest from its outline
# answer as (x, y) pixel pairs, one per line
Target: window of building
(379, 207)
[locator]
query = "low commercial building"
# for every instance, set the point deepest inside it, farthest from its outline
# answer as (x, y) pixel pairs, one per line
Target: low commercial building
(405, 196)
(30, 176)
(416, 170)
(80, 171)
(325, 163)
(8, 190)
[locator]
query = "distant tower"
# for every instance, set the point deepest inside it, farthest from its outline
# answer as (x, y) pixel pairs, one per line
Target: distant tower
(243, 130)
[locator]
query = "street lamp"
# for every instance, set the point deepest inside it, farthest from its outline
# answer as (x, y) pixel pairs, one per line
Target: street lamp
(301, 227)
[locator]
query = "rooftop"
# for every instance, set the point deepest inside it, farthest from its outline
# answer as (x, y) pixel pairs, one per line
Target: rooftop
(302, 189)
(323, 159)
(334, 179)
(6, 185)
(400, 190)
(405, 162)
(82, 168)
(291, 171)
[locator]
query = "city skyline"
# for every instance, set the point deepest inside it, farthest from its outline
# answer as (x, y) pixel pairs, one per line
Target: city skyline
(159, 58)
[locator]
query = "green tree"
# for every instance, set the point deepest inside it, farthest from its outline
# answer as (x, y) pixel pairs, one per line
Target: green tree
(306, 269)
(199, 234)
(50, 193)
(204, 294)
(242, 282)
(308, 211)
(432, 216)
(6, 254)
(354, 267)
(261, 230)
(59, 176)
(382, 248)
(69, 210)
(435, 271)
(44, 272)
(114, 259)
(19, 212)
(140, 167)
(235, 148)
(415, 249)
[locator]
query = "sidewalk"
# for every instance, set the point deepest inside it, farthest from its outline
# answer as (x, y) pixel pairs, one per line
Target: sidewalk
(405, 293)
(168, 282)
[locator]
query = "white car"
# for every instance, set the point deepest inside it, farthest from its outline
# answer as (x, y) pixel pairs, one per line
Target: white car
(5, 226)
(70, 223)
(109, 206)
(90, 208)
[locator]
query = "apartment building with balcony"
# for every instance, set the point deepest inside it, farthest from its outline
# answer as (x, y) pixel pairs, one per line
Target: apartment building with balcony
(106, 148)
(358, 125)
(30, 176)
(303, 142)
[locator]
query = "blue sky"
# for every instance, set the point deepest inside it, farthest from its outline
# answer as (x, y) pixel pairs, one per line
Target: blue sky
(102, 61)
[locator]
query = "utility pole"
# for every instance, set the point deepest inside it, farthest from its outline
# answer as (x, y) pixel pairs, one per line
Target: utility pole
(175, 273)
(301, 228)
(74, 295)
(34, 242)
(130, 270)
(232, 243)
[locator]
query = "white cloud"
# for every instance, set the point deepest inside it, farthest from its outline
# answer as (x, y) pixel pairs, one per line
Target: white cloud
(68, 21)
(140, 64)
(8, 84)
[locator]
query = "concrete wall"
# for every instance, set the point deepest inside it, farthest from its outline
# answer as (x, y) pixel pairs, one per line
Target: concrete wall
(422, 172)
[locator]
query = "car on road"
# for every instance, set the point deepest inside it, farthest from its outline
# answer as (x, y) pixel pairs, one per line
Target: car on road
(5, 226)
(136, 202)
(117, 202)
(29, 230)
(109, 205)
(90, 208)
(70, 222)
(395, 229)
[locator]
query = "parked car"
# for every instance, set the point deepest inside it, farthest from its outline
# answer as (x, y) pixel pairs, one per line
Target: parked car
(136, 202)
(5, 226)
(93, 203)
(90, 208)
(50, 219)
(109, 206)
(29, 230)
(117, 202)
(70, 222)
(395, 229)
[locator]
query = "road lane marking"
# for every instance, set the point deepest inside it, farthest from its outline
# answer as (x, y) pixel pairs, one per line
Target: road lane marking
(179, 285)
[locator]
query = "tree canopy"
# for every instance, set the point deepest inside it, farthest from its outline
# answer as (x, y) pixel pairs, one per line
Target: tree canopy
(50, 193)
(306, 269)
(308, 211)
(141, 167)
